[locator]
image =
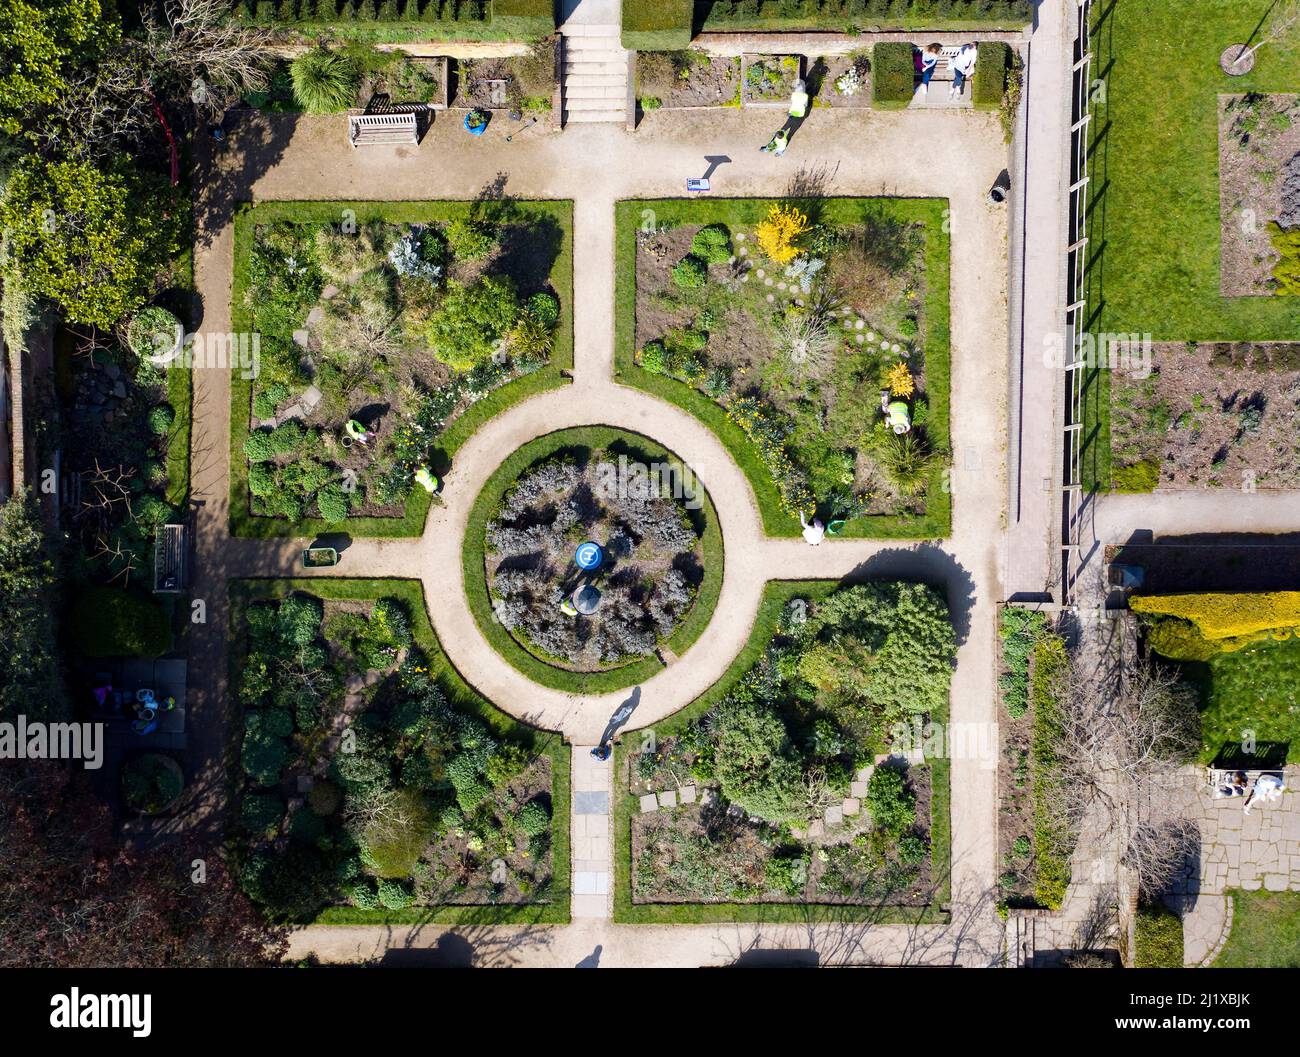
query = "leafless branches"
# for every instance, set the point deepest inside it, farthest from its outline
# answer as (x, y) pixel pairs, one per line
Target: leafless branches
(198, 43)
(193, 49)
(1122, 736)
(1283, 20)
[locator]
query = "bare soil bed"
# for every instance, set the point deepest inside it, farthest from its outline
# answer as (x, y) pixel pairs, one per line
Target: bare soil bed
(1211, 415)
(769, 79)
(1258, 135)
(841, 80)
(524, 82)
(687, 79)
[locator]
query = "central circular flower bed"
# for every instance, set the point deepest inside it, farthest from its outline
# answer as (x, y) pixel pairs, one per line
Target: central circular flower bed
(592, 555)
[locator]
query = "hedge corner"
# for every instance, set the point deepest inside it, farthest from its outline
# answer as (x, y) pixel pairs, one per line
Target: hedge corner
(657, 25)
(893, 74)
(992, 62)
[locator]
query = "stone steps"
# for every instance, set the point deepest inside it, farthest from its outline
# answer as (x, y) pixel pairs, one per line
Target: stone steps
(594, 75)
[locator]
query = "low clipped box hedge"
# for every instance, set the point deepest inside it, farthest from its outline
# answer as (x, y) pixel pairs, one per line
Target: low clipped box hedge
(893, 74)
(724, 15)
(523, 19)
(1159, 938)
(657, 25)
(113, 622)
(992, 61)
(505, 19)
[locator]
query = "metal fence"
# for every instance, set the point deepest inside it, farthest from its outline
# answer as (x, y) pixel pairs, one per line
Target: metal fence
(1076, 319)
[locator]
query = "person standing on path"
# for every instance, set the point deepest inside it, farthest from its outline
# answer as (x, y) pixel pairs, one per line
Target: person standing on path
(777, 144)
(813, 533)
(797, 111)
(963, 67)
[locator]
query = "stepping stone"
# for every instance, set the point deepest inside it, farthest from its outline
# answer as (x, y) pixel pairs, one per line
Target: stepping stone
(305, 782)
(858, 789)
(687, 794)
(668, 798)
(649, 803)
(864, 775)
(314, 319)
(834, 816)
(590, 802)
(310, 399)
(301, 337)
(330, 291)
(816, 828)
(852, 805)
(708, 797)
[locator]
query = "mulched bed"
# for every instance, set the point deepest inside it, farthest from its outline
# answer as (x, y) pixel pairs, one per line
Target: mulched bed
(1258, 135)
(769, 79)
(825, 72)
(1212, 415)
(738, 849)
(709, 81)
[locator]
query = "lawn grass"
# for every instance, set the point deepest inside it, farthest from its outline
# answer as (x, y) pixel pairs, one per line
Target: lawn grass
(1153, 209)
(1265, 932)
(461, 696)
(554, 375)
(1253, 689)
(539, 670)
(744, 212)
(776, 595)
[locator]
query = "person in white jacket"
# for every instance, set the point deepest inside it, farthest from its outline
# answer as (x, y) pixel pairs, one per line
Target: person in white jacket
(963, 67)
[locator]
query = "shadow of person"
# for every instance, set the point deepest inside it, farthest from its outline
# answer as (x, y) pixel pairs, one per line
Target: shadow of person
(592, 961)
(621, 715)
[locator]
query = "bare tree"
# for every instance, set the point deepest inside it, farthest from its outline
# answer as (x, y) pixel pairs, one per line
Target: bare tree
(194, 48)
(1121, 737)
(1283, 18)
(197, 43)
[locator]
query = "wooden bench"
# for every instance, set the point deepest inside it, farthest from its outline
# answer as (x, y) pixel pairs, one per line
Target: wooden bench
(393, 128)
(170, 567)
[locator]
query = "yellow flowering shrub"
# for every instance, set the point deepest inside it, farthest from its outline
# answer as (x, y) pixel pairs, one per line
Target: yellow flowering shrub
(1227, 616)
(777, 233)
(898, 380)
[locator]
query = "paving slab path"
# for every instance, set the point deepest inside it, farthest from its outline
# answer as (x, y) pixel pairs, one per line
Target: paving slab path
(267, 157)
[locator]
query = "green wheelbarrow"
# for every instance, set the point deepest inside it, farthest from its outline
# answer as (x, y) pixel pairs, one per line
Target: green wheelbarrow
(319, 557)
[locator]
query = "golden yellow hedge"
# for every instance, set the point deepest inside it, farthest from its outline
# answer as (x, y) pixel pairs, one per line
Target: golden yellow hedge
(1225, 616)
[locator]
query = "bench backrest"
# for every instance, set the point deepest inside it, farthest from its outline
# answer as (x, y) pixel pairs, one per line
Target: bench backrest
(382, 128)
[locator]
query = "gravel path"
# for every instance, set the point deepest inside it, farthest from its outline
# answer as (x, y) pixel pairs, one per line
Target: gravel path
(942, 154)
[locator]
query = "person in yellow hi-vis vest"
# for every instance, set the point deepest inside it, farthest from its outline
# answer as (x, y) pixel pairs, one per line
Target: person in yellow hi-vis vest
(799, 101)
(797, 112)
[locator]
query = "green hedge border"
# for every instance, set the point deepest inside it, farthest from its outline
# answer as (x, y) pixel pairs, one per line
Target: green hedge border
(989, 83)
(932, 212)
(657, 25)
(775, 596)
(554, 375)
(475, 572)
(462, 696)
(893, 74)
(943, 15)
